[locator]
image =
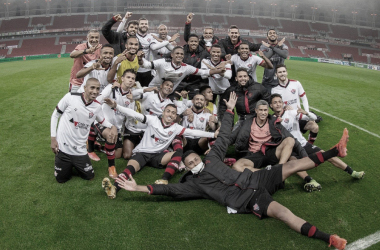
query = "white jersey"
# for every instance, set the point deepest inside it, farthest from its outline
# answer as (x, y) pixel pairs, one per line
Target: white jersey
(165, 69)
(250, 64)
(218, 83)
(199, 122)
(291, 94)
(159, 53)
(158, 136)
(75, 123)
(290, 120)
(101, 75)
(145, 42)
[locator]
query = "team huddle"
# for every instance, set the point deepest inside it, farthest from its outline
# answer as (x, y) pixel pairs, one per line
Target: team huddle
(145, 99)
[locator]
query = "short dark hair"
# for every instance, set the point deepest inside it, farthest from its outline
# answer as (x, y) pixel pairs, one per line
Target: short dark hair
(171, 105)
(241, 69)
(132, 71)
(143, 19)
(187, 153)
(233, 27)
(216, 46)
(203, 89)
(177, 47)
(280, 66)
(274, 96)
(107, 46)
(135, 22)
(270, 30)
(193, 35)
(243, 43)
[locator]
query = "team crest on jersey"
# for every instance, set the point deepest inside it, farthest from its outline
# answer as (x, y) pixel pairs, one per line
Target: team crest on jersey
(256, 207)
(180, 74)
(148, 39)
(90, 115)
(170, 133)
(249, 65)
(286, 120)
(293, 91)
(201, 119)
(249, 94)
(127, 103)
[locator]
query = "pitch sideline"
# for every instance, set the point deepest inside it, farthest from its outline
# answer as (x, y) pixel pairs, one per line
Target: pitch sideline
(365, 242)
(347, 122)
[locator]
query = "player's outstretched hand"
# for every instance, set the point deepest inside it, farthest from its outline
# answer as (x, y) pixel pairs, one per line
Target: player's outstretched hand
(54, 145)
(140, 54)
(112, 136)
(95, 48)
(231, 102)
(110, 102)
(216, 133)
(190, 17)
(128, 15)
(129, 185)
(301, 111)
(151, 89)
(118, 17)
(98, 65)
(281, 42)
(174, 37)
(157, 38)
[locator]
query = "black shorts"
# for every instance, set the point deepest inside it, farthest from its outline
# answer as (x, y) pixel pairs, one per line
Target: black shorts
(309, 148)
(270, 180)
(192, 144)
(144, 78)
(153, 160)
(260, 160)
(64, 163)
(135, 138)
(302, 124)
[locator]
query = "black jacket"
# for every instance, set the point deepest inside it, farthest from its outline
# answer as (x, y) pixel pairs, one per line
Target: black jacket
(194, 59)
(229, 48)
(217, 181)
(247, 96)
(278, 132)
(202, 42)
(116, 39)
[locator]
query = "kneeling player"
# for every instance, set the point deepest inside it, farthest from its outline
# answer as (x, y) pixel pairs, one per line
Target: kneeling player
(78, 111)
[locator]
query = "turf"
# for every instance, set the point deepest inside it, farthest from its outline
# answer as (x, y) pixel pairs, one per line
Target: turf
(38, 213)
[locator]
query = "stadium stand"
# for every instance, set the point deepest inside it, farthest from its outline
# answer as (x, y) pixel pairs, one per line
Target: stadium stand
(296, 52)
(268, 23)
(67, 22)
(344, 32)
(296, 27)
(14, 25)
(102, 18)
(368, 33)
(314, 53)
(214, 20)
(375, 61)
(242, 23)
(337, 51)
(297, 43)
(320, 27)
(45, 46)
(40, 21)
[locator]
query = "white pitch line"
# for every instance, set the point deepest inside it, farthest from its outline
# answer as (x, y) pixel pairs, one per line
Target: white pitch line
(365, 242)
(349, 123)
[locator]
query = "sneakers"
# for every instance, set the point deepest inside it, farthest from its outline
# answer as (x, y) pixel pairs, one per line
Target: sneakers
(229, 161)
(358, 175)
(112, 172)
(311, 186)
(337, 242)
(342, 144)
(109, 188)
(161, 181)
(93, 156)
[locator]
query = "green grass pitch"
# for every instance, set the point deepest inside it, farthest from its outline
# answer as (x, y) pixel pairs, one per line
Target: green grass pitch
(38, 213)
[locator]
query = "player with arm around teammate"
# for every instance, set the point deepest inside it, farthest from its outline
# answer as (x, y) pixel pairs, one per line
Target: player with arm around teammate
(247, 192)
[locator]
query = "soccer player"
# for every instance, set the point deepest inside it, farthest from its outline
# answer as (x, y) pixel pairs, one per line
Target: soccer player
(158, 136)
(116, 39)
(164, 38)
(200, 121)
(174, 69)
(207, 37)
(290, 120)
(263, 140)
(277, 52)
(82, 54)
(218, 82)
(247, 192)
(248, 91)
(98, 68)
(209, 97)
(244, 59)
(291, 92)
(76, 111)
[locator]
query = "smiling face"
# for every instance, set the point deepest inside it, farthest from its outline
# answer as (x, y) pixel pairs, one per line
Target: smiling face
(166, 88)
(193, 43)
(169, 115)
(215, 54)
(106, 54)
(244, 51)
(143, 26)
(208, 34)
(192, 160)
(132, 45)
(277, 104)
(262, 112)
(282, 74)
(93, 38)
(162, 32)
(132, 29)
(177, 56)
(199, 101)
(272, 36)
(91, 89)
(242, 78)
(234, 35)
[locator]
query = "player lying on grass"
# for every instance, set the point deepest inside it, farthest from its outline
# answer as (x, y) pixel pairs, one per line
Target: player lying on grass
(290, 120)
(159, 134)
(76, 111)
(246, 192)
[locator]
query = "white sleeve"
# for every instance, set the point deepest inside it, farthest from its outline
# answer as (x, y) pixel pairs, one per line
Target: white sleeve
(305, 103)
(105, 93)
(181, 106)
(54, 122)
(170, 46)
(228, 73)
(198, 133)
(89, 64)
(100, 118)
(120, 28)
(309, 117)
(204, 67)
(146, 64)
(137, 93)
(155, 45)
(131, 113)
(199, 72)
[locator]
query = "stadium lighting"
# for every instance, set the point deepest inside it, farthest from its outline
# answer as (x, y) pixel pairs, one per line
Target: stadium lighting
(252, 8)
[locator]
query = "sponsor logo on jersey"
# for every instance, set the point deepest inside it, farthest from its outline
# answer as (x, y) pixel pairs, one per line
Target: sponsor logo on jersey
(207, 161)
(293, 91)
(148, 39)
(249, 94)
(249, 65)
(90, 115)
(75, 109)
(202, 119)
(79, 125)
(180, 74)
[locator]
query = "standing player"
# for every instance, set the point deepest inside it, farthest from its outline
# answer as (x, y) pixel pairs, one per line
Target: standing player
(277, 52)
(247, 192)
(164, 38)
(291, 92)
(158, 136)
(76, 111)
(82, 54)
(290, 120)
(244, 59)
